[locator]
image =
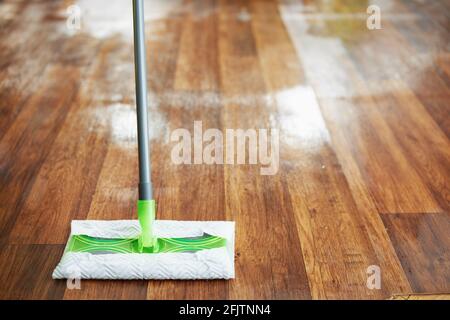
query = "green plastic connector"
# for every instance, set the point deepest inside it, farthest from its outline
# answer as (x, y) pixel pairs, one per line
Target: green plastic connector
(146, 214)
(84, 243)
(146, 242)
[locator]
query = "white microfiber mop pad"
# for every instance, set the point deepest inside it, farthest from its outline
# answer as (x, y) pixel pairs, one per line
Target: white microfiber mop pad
(215, 263)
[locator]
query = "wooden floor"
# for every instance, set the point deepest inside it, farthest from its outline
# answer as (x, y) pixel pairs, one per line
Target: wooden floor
(364, 120)
(421, 297)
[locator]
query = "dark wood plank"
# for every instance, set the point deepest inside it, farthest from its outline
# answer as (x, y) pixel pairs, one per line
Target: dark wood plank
(422, 241)
(411, 124)
(26, 272)
(109, 290)
(29, 140)
(439, 109)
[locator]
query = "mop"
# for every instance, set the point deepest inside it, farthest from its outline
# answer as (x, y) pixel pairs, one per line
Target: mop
(147, 248)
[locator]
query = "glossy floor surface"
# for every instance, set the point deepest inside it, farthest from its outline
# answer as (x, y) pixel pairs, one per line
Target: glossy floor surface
(363, 119)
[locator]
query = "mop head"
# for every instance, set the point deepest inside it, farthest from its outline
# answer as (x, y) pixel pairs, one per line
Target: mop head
(99, 249)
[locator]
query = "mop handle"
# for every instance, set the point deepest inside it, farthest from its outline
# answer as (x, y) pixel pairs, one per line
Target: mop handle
(145, 185)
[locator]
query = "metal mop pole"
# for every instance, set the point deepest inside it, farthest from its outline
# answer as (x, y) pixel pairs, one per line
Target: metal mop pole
(145, 185)
(146, 206)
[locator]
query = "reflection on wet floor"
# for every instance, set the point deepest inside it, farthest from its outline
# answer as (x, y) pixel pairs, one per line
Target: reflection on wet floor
(328, 44)
(298, 107)
(119, 121)
(105, 18)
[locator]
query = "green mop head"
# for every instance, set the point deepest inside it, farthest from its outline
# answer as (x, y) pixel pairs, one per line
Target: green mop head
(146, 243)
(148, 249)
